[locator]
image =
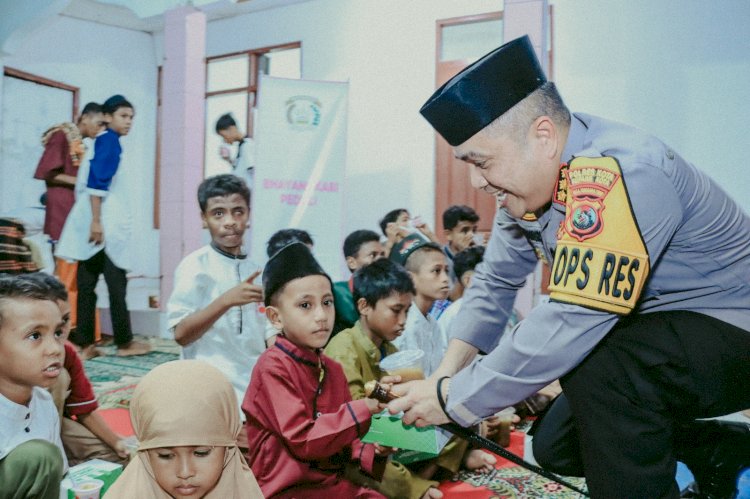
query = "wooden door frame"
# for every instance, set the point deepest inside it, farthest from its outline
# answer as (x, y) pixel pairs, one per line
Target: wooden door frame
(442, 149)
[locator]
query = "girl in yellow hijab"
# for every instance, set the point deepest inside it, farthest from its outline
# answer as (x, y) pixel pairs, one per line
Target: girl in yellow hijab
(186, 419)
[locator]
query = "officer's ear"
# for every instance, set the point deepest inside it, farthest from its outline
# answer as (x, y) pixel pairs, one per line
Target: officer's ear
(545, 133)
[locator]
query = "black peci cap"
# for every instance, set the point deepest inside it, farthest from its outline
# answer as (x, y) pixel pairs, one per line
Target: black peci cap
(291, 262)
(483, 91)
(403, 249)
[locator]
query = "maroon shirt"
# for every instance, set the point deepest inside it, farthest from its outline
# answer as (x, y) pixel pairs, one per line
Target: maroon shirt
(55, 160)
(291, 452)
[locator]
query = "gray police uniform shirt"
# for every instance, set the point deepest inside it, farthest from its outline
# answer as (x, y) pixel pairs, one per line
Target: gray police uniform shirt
(698, 241)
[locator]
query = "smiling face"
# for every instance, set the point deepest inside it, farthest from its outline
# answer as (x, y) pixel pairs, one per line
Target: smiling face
(226, 219)
(121, 120)
(387, 319)
(521, 173)
(187, 471)
(304, 311)
(31, 346)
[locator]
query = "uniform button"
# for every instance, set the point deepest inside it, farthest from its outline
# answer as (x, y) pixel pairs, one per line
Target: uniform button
(670, 154)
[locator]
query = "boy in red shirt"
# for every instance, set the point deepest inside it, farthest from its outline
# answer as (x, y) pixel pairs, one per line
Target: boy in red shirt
(303, 427)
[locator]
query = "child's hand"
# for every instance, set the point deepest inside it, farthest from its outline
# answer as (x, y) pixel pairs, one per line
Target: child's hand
(96, 233)
(390, 380)
(121, 448)
(382, 450)
(374, 406)
(245, 292)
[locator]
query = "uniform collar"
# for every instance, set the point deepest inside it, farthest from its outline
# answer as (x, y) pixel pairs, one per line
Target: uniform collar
(576, 136)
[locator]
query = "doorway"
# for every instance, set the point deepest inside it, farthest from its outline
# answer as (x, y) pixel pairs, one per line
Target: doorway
(460, 42)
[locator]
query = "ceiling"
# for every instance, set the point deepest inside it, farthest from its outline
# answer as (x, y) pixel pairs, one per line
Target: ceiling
(147, 15)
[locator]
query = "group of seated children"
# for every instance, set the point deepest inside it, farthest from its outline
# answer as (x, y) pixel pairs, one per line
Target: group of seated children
(302, 414)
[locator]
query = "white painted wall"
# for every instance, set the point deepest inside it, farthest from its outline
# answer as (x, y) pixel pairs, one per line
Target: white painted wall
(386, 50)
(102, 61)
(678, 69)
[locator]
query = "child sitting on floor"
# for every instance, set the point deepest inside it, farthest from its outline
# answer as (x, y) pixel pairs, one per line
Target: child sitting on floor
(187, 442)
(88, 436)
(428, 267)
(214, 311)
(361, 248)
(32, 459)
(303, 427)
(384, 292)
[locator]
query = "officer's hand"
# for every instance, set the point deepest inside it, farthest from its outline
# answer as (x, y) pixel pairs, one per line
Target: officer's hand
(418, 400)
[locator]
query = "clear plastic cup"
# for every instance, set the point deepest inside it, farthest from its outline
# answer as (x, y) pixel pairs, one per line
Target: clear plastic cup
(89, 488)
(406, 363)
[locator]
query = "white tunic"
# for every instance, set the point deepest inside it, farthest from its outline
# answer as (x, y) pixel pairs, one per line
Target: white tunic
(236, 340)
(116, 222)
(423, 333)
(40, 417)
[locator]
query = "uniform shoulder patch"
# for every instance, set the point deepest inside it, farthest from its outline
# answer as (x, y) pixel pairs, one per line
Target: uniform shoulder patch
(601, 260)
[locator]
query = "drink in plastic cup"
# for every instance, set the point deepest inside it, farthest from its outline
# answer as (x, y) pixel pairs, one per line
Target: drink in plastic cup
(505, 418)
(88, 489)
(406, 363)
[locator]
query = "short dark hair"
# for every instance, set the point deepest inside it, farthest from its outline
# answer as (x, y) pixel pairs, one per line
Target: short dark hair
(91, 108)
(391, 216)
(459, 213)
(467, 260)
(114, 103)
(416, 258)
(356, 239)
(224, 122)
(222, 185)
(19, 287)
(285, 237)
(379, 280)
(57, 290)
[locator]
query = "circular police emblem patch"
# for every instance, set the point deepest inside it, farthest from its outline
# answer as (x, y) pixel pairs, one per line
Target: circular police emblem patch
(584, 217)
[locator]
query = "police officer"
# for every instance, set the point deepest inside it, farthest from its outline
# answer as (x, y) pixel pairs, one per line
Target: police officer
(649, 314)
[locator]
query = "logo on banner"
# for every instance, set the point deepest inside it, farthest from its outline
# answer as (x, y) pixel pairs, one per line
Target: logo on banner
(303, 112)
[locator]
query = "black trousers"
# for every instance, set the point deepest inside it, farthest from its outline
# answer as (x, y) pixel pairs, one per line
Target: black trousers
(621, 421)
(87, 277)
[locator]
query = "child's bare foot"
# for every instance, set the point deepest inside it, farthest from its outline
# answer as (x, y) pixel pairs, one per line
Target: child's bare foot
(133, 347)
(432, 493)
(90, 352)
(480, 461)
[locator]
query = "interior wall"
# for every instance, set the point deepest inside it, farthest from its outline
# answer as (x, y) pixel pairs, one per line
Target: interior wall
(678, 69)
(386, 51)
(104, 60)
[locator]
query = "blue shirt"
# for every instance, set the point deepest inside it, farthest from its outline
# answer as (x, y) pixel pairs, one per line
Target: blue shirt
(104, 164)
(698, 241)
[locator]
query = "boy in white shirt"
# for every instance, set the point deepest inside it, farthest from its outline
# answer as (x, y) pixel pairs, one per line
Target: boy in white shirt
(216, 310)
(428, 267)
(32, 459)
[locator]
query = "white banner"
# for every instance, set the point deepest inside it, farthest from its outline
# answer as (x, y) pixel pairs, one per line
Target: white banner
(300, 136)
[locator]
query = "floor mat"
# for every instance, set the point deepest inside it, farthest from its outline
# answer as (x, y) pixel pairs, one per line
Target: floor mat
(114, 379)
